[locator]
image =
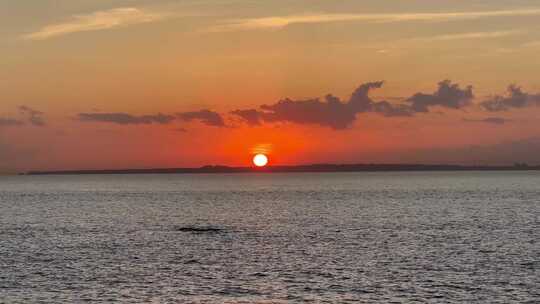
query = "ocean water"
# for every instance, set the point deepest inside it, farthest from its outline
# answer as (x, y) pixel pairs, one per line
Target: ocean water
(424, 237)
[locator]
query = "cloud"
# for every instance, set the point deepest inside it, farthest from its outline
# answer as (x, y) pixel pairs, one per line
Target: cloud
(391, 110)
(29, 115)
(206, 117)
(330, 112)
(465, 36)
(279, 22)
(125, 118)
(360, 102)
(252, 117)
(10, 122)
(448, 95)
(489, 120)
(516, 98)
(96, 21)
(34, 117)
(337, 114)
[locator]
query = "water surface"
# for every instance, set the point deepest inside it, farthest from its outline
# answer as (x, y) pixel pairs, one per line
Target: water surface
(426, 237)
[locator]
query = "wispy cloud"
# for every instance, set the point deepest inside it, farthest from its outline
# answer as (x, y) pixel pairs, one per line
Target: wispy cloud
(489, 120)
(96, 21)
(125, 118)
(278, 22)
(531, 44)
(206, 117)
(470, 35)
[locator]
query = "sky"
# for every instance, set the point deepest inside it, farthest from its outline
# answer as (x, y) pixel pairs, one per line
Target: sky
(95, 84)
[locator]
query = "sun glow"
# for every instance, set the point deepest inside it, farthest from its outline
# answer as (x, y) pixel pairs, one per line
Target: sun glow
(260, 160)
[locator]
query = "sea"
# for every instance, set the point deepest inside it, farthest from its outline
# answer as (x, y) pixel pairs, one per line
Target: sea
(381, 237)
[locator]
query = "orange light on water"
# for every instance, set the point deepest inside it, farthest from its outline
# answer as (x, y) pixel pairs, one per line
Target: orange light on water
(260, 160)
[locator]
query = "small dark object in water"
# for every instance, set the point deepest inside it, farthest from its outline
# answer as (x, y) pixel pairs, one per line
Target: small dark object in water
(192, 261)
(199, 229)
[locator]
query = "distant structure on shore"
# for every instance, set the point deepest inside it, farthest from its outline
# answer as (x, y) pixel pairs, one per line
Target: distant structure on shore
(299, 168)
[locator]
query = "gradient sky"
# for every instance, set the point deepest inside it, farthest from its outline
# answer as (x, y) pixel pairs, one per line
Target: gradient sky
(114, 84)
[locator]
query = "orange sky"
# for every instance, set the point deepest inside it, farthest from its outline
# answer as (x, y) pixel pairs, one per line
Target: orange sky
(82, 83)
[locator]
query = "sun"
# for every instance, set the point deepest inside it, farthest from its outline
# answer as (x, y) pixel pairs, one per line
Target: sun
(260, 160)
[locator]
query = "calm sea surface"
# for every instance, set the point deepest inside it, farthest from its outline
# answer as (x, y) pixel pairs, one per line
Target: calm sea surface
(440, 237)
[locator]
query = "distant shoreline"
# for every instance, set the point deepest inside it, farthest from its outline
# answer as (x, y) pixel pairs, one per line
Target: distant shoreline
(321, 168)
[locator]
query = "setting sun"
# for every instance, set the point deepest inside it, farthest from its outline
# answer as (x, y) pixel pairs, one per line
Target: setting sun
(260, 160)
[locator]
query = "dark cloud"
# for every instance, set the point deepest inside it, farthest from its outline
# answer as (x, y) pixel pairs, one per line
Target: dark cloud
(391, 110)
(515, 98)
(337, 114)
(448, 95)
(251, 116)
(490, 120)
(34, 117)
(360, 102)
(331, 112)
(206, 117)
(29, 115)
(125, 118)
(9, 122)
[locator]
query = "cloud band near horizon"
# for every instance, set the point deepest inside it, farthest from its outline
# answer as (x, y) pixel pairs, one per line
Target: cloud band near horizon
(206, 117)
(28, 116)
(333, 112)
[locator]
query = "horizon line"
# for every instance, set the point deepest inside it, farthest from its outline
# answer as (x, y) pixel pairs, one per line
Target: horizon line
(316, 167)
